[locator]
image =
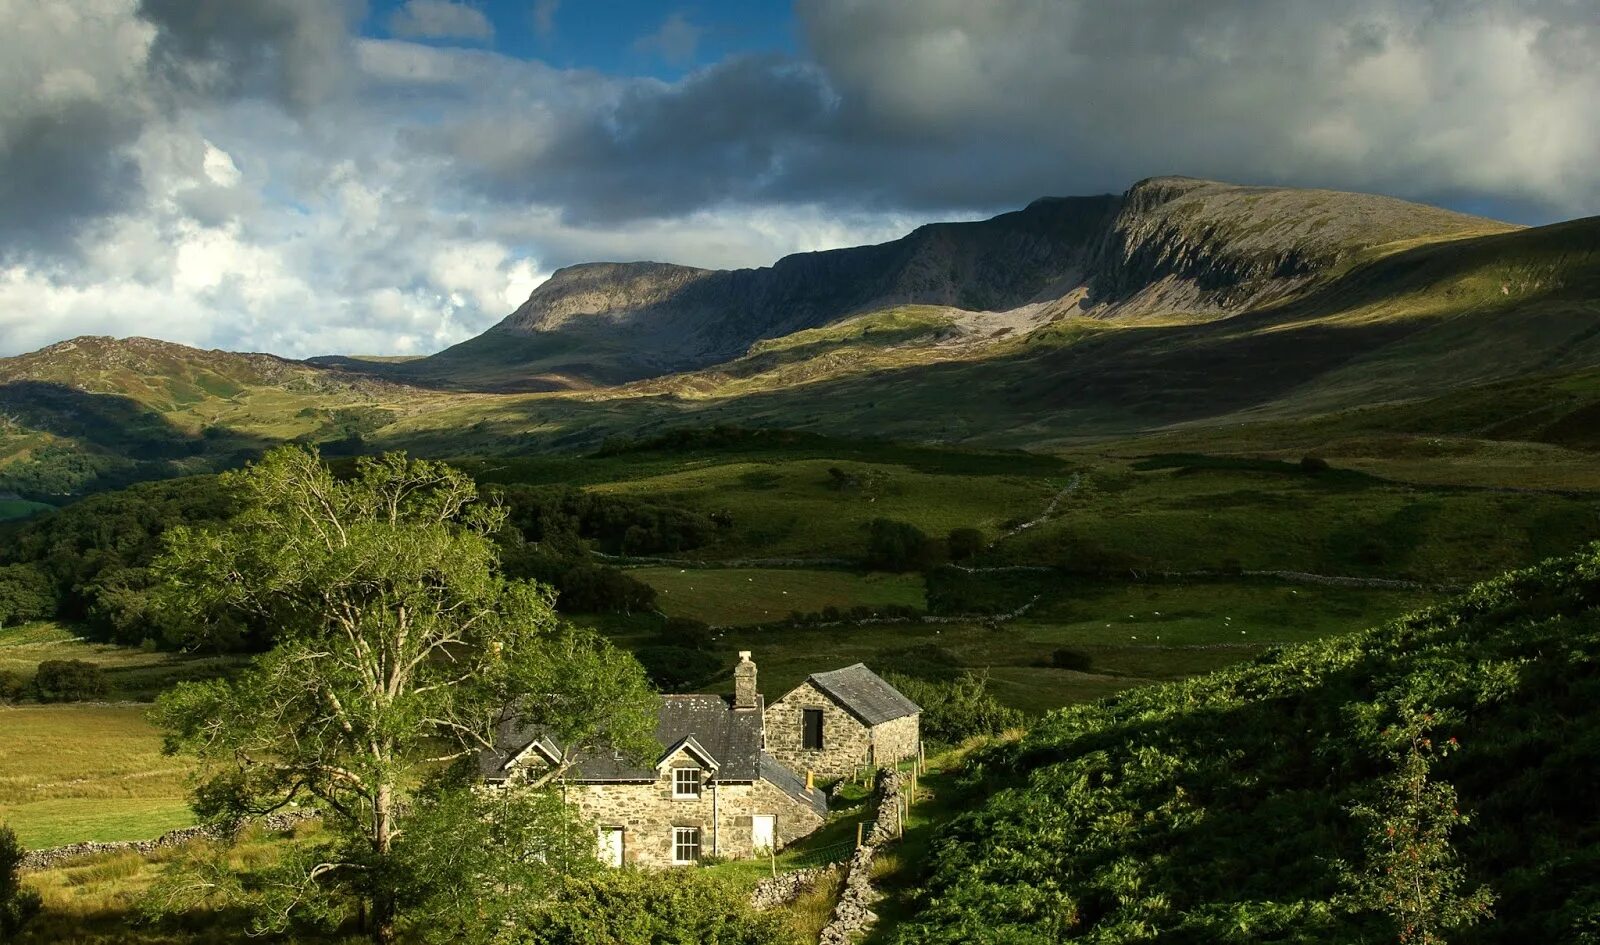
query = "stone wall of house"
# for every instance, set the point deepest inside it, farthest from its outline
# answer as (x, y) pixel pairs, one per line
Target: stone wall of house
(896, 739)
(844, 739)
(647, 812)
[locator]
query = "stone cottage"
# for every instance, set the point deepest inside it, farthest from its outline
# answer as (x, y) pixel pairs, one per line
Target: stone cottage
(834, 722)
(712, 790)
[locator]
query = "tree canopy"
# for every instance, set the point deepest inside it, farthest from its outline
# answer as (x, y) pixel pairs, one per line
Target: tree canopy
(400, 648)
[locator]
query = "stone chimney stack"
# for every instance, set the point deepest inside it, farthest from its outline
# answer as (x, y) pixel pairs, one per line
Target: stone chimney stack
(744, 682)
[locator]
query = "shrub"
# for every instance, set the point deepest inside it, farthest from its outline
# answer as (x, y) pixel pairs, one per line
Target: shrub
(25, 594)
(1313, 465)
(964, 543)
(18, 904)
(597, 589)
(1068, 658)
(635, 907)
(899, 546)
(688, 633)
(13, 686)
(957, 710)
(674, 668)
(69, 681)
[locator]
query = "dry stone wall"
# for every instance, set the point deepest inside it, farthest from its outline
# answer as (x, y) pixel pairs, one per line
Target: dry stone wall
(47, 859)
(853, 915)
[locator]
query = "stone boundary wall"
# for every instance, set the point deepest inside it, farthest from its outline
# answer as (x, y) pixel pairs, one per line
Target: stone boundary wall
(56, 856)
(785, 888)
(853, 914)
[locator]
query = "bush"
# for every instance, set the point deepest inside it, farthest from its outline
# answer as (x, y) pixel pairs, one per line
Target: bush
(688, 633)
(957, 710)
(675, 668)
(13, 686)
(69, 681)
(1068, 658)
(18, 905)
(635, 907)
(964, 543)
(1313, 465)
(26, 593)
(599, 589)
(899, 546)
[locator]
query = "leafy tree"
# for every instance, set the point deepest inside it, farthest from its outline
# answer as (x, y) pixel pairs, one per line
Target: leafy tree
(599, 589)
(26, 594)
(13, 686)
(959, 709)
(399, 648)
(964, 543)
(18, 904)
(677, 668)
(899, 546)
(635, 907)
(69, 681)
(1412, 873)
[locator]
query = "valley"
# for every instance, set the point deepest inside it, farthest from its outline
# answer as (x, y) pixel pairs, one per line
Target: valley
(1143, 466)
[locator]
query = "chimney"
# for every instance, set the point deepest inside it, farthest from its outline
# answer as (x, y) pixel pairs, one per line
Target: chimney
(744, 682)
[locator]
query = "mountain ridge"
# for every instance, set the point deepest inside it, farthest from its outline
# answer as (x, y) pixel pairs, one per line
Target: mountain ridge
(1168, 247)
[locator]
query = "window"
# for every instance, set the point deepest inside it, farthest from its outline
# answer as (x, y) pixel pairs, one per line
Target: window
(811, 729)
(685, 844)
(685, 782)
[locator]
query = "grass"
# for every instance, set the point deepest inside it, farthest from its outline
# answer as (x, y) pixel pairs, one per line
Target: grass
(783, 508)
(20, 508)
(1201, 626)
(96, 900)
(134, 673)
(87, 772)
(736, 596)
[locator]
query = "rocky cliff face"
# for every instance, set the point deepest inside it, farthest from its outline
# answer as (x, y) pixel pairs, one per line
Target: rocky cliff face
(1168, 247)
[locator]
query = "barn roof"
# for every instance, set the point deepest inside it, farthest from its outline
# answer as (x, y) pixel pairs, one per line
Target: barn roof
(865, 694)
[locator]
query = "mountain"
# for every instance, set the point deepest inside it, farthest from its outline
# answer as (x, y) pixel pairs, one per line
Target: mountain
(1169, 247)
(93, 412)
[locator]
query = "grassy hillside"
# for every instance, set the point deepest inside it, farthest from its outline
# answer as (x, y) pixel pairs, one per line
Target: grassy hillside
(1225, 808)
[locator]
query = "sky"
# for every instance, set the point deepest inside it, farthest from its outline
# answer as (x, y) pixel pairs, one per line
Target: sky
(391, 177)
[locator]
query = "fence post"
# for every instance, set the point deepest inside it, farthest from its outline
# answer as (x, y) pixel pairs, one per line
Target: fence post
(859, 826)
(772, 856)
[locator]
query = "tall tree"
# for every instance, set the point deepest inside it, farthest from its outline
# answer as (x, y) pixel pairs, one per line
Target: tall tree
(399, 647)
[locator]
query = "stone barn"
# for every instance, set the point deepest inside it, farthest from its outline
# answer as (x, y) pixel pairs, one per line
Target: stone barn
(711, 790)
(834, 722)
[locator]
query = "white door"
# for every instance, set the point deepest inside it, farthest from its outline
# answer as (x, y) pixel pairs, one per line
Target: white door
(763, 829)
(611, 846)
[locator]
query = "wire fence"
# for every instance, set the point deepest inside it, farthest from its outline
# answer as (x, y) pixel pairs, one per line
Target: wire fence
(821, 856)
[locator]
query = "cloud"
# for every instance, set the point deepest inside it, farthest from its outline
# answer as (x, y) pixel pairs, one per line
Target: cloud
(294, 51)
(675, 41)
(440, 19)
(544, 17)
(249, 174)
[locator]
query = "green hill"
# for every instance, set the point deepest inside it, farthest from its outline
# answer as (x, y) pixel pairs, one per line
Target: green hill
(1228, 808)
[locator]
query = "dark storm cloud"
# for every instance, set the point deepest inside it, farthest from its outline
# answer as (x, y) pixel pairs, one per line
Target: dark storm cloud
(295, 51)
(650, 149)
(946, 104)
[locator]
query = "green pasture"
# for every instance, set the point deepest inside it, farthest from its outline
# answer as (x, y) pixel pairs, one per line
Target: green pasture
(733, 596)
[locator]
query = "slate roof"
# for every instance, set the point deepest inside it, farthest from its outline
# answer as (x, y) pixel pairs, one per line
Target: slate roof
(731, 737)
(864, 694)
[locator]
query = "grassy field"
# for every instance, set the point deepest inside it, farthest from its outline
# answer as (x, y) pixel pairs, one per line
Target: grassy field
(97, 900)
(733, 596)
(20, 508)
(87, 772)
(134, 674)
(1130, 634)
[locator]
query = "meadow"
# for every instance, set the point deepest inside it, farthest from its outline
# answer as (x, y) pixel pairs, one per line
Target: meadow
(743, 596)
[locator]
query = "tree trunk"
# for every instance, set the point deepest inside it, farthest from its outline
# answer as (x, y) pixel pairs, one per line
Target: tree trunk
(383, 906)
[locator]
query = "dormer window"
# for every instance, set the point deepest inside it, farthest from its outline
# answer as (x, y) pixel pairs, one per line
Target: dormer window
(685, 782)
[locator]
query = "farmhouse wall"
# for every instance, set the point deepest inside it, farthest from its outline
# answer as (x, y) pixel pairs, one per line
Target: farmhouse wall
(845, 739)
(647, 812)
